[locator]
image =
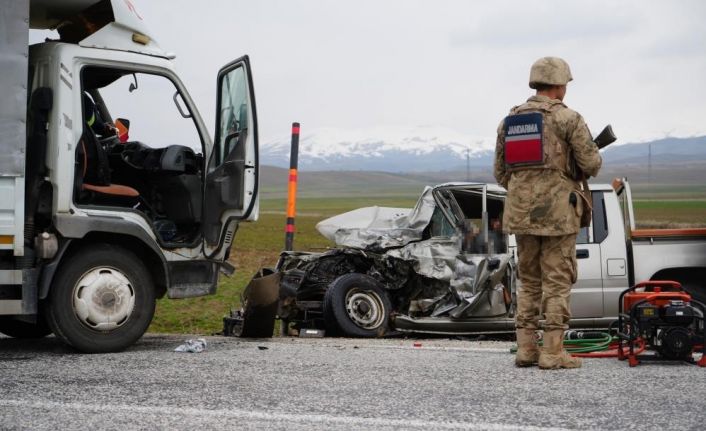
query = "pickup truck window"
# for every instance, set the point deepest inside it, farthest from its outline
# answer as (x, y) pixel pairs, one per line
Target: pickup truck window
(625, 210)
(600, 221)
(599, 227)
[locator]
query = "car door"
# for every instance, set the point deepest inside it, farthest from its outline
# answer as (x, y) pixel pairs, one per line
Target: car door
(231, 180)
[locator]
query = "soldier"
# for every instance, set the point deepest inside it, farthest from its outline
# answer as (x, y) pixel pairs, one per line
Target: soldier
(539, 146)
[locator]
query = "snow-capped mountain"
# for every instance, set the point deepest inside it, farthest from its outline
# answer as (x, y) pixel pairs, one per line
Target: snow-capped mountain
(433, 149)
(391, 149)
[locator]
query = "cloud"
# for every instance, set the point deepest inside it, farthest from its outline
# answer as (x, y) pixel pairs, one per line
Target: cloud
(456, 64)
(542, 23)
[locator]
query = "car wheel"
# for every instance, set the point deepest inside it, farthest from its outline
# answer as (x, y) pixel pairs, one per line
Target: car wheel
(19, 329)
(355, 305)
(101, 300)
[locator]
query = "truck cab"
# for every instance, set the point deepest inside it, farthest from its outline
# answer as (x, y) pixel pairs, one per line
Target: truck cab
(117, 193)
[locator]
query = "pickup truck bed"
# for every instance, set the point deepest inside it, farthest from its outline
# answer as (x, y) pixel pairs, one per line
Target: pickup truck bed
(671, 254)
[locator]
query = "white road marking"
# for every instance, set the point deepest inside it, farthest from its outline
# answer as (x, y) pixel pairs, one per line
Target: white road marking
(317, 419)
(447, 349)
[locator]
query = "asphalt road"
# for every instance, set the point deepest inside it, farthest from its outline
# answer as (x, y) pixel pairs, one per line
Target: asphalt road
(335, 384)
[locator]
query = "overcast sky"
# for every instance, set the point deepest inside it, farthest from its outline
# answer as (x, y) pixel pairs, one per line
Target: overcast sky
(639, 65)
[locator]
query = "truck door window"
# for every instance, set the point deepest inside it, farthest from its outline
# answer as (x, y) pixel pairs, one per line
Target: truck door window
(582, 236)
(233, 125)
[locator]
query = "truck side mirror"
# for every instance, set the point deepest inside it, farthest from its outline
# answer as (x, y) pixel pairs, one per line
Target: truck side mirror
(133, 85)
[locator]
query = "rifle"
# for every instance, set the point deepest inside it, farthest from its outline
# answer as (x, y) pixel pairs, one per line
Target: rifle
(605, 138)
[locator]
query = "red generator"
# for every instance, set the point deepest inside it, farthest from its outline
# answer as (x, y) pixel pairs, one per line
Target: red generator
(660, 316)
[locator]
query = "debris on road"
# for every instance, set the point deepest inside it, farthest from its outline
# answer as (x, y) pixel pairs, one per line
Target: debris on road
(192, 346)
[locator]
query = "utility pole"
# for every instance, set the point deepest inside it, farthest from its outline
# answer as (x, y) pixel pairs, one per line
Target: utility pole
(468, 164)
(649, 168)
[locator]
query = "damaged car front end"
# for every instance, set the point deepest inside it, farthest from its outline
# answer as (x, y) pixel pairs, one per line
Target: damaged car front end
(443, 267)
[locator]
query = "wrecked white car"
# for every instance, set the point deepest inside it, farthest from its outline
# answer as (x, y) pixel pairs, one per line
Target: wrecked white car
(442, 267)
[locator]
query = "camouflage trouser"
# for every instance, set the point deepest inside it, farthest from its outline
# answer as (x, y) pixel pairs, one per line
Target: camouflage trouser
(547, 269)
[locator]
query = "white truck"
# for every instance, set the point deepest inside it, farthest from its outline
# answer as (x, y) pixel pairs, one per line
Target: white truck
(95, 224)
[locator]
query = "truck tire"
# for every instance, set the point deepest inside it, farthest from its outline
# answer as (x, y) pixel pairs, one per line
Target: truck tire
(18, 329)
(355, 305)
(102, 299)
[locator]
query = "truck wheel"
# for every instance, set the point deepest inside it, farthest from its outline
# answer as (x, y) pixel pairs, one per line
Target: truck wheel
(19, 329)
(357, 306)
(102, 299)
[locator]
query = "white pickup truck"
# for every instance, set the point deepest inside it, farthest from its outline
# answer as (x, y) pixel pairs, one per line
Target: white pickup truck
(613, 255)
(97, 218)
(445, 268)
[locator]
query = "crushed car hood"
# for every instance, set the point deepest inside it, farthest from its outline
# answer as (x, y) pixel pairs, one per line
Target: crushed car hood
(379, 228)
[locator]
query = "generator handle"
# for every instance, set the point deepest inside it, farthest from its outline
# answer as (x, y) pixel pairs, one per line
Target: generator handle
(649, 285)
(669, 296)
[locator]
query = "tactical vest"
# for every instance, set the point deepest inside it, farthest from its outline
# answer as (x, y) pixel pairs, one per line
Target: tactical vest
(531, 148)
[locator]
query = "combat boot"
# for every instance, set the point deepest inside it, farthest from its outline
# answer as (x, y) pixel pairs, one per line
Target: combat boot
(527, 350)
(552, 355)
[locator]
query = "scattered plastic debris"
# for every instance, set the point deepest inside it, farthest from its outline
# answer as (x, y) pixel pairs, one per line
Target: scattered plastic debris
(417, 344)
(192, 346)
(312, 333)
(262, 347)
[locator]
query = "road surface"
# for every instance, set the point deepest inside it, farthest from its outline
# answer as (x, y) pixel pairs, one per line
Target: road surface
(293, 384)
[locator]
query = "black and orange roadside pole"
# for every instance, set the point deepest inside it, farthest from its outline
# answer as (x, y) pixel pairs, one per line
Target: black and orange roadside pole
(292, 194)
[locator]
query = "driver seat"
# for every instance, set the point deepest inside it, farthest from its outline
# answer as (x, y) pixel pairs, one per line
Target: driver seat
(95, 174)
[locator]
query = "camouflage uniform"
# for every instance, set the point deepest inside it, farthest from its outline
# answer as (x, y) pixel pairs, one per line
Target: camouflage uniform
(541, 212)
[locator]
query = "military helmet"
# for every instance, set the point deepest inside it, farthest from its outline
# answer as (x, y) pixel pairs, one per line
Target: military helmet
(550, 71)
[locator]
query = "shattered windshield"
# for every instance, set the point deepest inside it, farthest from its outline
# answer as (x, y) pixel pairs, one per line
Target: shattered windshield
(439, 225)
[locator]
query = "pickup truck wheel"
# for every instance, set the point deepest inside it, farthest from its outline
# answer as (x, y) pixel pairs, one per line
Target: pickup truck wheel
(102, 299)
(357, 306)
(18, 329)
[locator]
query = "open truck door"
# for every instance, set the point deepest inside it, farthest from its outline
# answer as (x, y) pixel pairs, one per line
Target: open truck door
(232, 172)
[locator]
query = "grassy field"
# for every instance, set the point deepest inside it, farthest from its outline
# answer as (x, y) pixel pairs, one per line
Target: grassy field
(670, 213)
(258, 244)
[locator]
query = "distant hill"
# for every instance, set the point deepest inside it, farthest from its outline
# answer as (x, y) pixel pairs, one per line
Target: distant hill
(419, 150)
(667, 150)
(676, 164)
(674, 177)
(274, 180)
